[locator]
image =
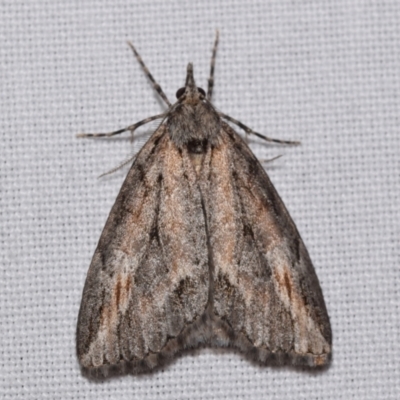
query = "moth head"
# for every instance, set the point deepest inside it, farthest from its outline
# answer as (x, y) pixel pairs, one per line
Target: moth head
(191, 94)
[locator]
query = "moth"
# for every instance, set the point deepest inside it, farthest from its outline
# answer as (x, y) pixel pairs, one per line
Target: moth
(199, 249)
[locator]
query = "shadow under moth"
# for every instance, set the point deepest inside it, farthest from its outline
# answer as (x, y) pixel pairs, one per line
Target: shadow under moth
(199, 249)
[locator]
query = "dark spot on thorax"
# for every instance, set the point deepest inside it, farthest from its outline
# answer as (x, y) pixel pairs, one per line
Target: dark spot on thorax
(197, 146)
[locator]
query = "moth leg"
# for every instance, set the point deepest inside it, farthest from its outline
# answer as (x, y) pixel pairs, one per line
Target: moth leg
(212, 67)
(269, 160)
(250, 131)
(127, 161)
(156, 86)
(130, 128)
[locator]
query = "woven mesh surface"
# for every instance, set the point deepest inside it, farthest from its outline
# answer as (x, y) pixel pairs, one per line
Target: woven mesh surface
(325, 73)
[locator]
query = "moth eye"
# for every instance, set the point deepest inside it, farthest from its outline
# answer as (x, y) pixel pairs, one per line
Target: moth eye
(201, 91)
(180, 92)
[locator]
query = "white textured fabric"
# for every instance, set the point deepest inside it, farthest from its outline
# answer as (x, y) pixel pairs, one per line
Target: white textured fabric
(325, 73)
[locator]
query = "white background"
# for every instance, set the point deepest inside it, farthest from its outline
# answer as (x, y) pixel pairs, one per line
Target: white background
(326, 73)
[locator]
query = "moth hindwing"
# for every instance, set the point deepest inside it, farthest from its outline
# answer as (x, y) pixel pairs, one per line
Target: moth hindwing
(199, 249)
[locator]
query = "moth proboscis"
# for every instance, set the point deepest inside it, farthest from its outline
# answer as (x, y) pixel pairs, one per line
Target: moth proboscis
(199, 249)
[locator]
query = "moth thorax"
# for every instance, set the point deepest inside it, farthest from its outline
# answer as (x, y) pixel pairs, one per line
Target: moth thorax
(194, 126)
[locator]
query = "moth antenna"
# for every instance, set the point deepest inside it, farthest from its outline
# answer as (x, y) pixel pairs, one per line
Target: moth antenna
(250, 131)
(156, 86)
(212, 67)
(130, 128)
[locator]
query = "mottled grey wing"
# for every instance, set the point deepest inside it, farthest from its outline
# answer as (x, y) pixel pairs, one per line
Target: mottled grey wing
(266, 292)
(149, 275)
